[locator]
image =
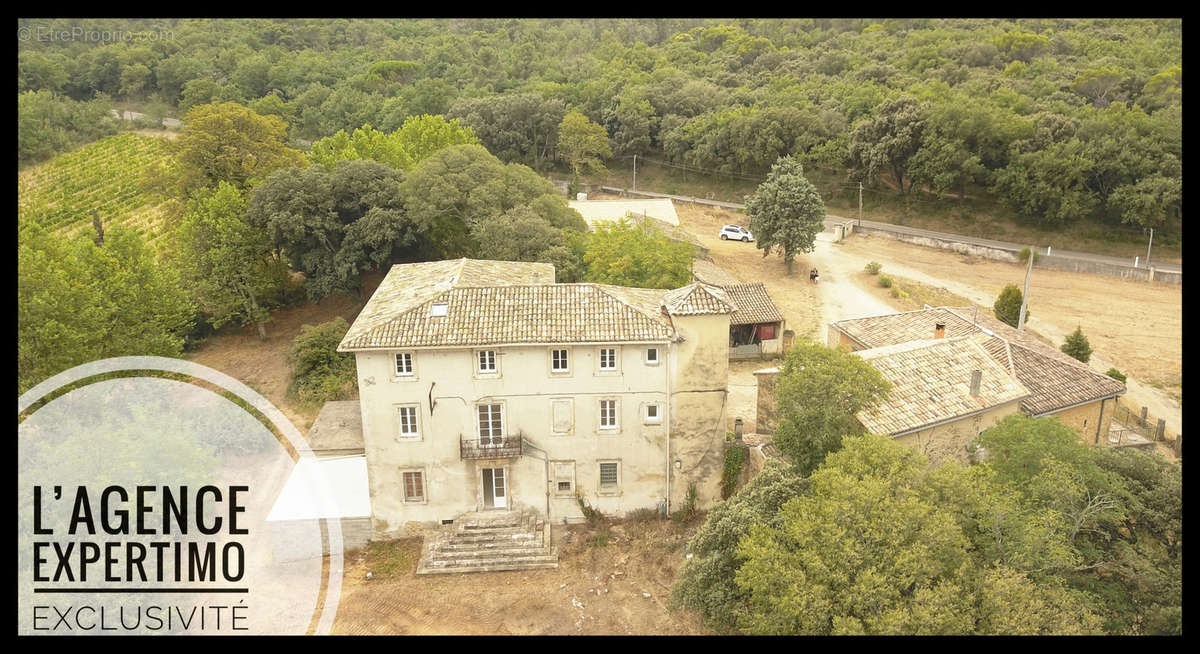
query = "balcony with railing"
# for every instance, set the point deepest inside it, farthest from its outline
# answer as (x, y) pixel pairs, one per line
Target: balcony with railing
(494, 447)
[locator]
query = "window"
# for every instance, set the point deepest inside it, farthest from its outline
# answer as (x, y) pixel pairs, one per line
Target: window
(609, 475)
(407, 417)
(561, 418)
(652, 416)
(414, 486)
(651, 356)
(404, 364)
(608, 358)
(608, 414)
(564, 478)
(491, 424)
(438, 309)
(487, 361)
(558, 361)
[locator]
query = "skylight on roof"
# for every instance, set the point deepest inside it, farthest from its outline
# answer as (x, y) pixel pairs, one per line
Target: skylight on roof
(438, 309)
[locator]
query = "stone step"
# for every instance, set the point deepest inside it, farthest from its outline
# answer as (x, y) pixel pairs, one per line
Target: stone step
(508, 533)
(496, 567)
(507, 544)
(506, 554)
(491, 563)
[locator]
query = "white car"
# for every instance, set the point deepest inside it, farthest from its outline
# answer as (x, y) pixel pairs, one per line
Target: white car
(736, 233)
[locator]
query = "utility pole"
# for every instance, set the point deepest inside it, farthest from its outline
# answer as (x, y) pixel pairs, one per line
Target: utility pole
(635, 172)
(1025, 295)
(860, 204)
(1148, 247)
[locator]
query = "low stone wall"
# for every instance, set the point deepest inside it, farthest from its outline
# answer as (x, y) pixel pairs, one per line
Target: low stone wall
(294, 540)
(1051, 262)
(1111, 270)
(945, 244)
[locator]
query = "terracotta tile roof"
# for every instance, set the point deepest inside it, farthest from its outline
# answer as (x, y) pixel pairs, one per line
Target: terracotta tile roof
(500, 302)
(708, 272)
(892, 328)
(1055, 380)
(754, 304)
(560, 313)
(931, 382)
(697, 299)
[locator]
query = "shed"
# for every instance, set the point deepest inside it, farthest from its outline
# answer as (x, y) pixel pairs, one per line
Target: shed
(326, 488)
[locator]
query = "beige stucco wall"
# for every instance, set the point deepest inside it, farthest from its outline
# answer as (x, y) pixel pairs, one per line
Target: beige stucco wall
(698, 410)
(1084, 419)
(446, 389)
(949, 441)
(836, 338)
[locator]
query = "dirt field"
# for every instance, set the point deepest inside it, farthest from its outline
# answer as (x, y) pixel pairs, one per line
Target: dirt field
(1134, 326)
(597, 589)
(263, 365)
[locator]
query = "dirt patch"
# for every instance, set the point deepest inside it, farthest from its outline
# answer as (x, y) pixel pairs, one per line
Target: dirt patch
(263, 365)
(600, 587)
(907, 294)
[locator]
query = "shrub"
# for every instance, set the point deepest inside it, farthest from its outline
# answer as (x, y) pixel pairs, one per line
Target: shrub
(895, 292)
(594, 517)
(688, 511)
(735, 458)
(874, 267)
(1077, 345)
(1116, 374)
(885, 281)
(1008, 306)
(319, 372)
(1024, 256)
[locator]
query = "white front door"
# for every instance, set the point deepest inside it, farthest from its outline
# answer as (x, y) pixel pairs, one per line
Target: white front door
(495, 491)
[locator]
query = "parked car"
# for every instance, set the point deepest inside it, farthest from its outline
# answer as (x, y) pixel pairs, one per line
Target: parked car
(736, 233)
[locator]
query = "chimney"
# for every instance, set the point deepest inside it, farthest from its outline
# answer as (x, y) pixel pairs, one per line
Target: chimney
(939, 330)
(976, 378)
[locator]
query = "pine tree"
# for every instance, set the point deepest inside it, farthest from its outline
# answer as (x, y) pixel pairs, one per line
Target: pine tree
(1077, 346)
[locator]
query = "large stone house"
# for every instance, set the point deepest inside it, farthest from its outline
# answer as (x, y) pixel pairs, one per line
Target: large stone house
(1057, 384)
(484, 385)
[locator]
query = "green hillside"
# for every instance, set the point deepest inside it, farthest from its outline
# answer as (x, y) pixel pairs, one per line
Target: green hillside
(105, 177)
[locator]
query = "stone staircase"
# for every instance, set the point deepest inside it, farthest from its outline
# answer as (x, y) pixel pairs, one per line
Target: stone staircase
(489, 542)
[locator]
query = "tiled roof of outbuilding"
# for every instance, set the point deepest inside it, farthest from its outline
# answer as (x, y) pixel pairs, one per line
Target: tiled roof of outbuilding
(931, 382)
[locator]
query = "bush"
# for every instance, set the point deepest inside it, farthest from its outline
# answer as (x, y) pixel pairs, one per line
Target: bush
(688, 511)
(885, 281)
(706, 582)
(319, 372)
(1007, 308)
(1024, 256)
(874, 267)
(895, 292)
(1116, 374)
(1077, 345)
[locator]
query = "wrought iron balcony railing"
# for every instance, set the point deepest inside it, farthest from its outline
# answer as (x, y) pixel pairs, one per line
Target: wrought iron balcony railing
(496, 447)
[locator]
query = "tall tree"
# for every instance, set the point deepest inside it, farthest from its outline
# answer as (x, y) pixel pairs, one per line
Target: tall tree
(818, 391)
(417, 139)
(786, 212)
(78, 301)
(583, 144)
(230, 266)
(333, 225)
(628, 254)
(227, 142)
(888, 139)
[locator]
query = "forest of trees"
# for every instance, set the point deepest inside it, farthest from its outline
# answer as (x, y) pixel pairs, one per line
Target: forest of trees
(1057, 119)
